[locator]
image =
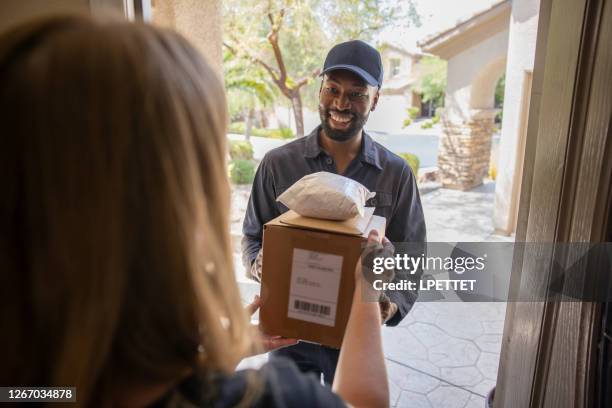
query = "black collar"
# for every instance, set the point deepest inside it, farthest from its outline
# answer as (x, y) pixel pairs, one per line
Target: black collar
(368, 153)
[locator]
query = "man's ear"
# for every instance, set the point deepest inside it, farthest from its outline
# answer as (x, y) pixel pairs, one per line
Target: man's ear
(375, 100)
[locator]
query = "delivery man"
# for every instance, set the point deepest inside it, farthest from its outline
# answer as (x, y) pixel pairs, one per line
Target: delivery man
(351, 79)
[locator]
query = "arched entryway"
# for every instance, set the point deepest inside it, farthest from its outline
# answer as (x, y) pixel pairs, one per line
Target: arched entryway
(476, 52)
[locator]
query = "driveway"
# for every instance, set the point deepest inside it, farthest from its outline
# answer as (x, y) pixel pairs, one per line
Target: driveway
(424, 145)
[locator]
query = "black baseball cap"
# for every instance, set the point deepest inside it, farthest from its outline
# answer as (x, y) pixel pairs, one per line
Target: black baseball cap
(356, 56)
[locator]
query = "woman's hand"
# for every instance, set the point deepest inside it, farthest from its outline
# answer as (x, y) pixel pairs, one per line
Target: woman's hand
(269, 342)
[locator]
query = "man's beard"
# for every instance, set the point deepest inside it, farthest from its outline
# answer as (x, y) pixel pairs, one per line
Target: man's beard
(342, 135)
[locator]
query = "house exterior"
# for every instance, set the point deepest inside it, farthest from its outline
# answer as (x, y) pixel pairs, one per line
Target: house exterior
(397, 93)
(517, 96)
(479, 50)
(476, 50)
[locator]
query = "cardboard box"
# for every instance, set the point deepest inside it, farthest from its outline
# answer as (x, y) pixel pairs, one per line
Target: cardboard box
(308, 275)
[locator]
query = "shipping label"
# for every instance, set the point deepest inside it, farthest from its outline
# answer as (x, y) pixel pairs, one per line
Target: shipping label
(315, 282)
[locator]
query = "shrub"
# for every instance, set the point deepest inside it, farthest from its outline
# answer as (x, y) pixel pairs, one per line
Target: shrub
(286, 133)
(282, 133)
(407, 122)
(413, 112)
(237, 127)
(427, 125)
(242, 150)
(493, 172)
(259, 132)
(413, 162)
(436, 118)
(499, 117)
(242, 171)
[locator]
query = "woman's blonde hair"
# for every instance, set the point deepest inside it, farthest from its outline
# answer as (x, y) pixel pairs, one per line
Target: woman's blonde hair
(115, 254)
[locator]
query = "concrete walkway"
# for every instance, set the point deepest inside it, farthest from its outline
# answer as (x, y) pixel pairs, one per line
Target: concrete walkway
(442, 354)
(447, 354)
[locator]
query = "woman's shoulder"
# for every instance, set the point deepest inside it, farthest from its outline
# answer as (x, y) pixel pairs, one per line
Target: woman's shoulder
(276, 384)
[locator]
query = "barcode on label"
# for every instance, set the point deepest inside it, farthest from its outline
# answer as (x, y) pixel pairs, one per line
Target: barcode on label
(312, 307)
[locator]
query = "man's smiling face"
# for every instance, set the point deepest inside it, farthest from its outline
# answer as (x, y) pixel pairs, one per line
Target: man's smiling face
(345, 102)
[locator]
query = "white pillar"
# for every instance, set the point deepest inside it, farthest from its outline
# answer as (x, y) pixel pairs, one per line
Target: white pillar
(521, 52)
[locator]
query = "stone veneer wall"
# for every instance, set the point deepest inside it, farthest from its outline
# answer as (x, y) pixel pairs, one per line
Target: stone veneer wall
(465, 148)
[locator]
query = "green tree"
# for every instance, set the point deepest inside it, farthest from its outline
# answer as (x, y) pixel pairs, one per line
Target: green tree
(432, 79)
(248, 90)
(363, 19)
(288, 39)
(499, 97)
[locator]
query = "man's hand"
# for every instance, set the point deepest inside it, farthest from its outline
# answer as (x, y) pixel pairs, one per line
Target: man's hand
(387, 308)
(254, 272)
(375, 247)
(269, 342)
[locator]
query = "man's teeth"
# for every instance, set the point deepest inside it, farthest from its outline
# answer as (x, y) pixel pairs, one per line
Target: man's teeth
(340, 118)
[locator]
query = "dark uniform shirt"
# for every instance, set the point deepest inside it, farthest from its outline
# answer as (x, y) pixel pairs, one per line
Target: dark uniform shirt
(381, 171)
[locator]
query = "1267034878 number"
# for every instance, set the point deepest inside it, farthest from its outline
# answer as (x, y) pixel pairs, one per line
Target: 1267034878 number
(36, 394)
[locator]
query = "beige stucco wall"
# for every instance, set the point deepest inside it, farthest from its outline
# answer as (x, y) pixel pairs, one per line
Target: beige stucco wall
(198, 20)
(405, 67)
(13, 12)
(521, 54)
(467, 117)
(472, 75)
(396, 94)
(390, 113)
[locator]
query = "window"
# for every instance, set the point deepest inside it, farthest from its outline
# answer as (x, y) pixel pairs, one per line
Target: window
(395, 67)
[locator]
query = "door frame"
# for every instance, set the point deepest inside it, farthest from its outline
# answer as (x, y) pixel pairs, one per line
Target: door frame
(549, 349)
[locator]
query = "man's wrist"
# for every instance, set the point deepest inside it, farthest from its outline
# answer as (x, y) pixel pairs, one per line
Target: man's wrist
(394, 308)
(254, 271)
(387, 308)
